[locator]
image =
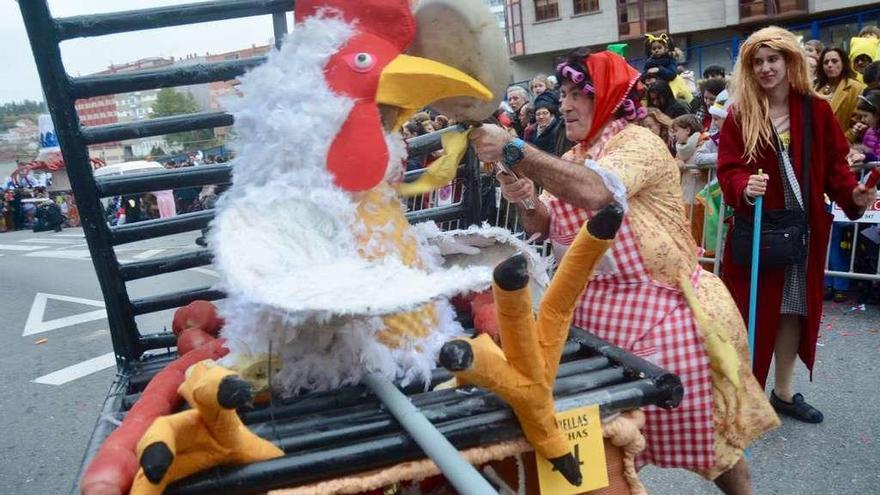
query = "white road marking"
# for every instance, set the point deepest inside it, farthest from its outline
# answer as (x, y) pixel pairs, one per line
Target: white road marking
(206, 271)
(48, 241)
(71, 254)
(147, 254)
(78, 370)
(35, 323)
(80, 236)
(11, 247)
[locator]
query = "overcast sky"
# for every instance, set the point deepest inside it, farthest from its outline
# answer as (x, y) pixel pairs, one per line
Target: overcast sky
(19, 79)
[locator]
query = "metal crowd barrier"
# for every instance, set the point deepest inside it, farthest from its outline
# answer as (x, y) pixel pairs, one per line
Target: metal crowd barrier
(717, 247)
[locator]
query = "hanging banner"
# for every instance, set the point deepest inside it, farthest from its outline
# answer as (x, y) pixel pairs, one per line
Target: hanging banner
(872, 214)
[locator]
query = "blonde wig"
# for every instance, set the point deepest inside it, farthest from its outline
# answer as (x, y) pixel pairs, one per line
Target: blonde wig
(752, 106)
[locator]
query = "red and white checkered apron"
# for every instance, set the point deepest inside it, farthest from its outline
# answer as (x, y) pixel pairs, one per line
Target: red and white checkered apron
(625, 307)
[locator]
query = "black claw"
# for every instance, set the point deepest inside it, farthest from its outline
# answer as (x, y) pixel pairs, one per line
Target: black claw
(456, 355)
(569, 467)
(234, 392)
(155, 461)
(604, 224)
(512, 273)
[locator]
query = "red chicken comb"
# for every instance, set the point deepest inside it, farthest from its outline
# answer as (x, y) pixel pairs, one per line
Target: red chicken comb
(391, 20)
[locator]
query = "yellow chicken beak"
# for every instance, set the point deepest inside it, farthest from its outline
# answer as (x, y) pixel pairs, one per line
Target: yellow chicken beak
(412, 83)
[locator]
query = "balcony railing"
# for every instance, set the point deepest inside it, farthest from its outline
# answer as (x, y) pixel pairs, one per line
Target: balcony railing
(761, 9)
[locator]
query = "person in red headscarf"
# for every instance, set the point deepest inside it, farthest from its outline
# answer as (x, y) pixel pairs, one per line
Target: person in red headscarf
(650, 295)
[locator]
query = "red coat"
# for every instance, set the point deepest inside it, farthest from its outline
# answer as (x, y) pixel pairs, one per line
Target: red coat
(830, 174)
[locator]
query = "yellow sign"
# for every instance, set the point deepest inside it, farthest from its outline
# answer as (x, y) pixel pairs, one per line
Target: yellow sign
(584, 431)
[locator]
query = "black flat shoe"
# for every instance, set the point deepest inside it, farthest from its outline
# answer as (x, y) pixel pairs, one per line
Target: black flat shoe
(797, 408)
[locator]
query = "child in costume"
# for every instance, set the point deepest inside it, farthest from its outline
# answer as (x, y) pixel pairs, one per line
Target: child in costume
(868, 111)
(707, 152)
(662, 65)
(863, 51)
(688, 132)
(689, 136)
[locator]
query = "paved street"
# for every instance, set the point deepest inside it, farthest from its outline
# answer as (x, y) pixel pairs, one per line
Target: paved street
(52, 390)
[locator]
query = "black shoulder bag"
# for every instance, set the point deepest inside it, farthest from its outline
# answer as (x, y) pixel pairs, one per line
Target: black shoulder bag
(783, 232)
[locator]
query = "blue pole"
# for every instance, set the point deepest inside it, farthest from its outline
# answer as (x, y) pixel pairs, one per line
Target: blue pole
(753, 285)
(753, 280)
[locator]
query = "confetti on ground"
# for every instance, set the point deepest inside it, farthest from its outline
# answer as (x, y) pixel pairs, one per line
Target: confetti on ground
(848, 334)
(41, 341)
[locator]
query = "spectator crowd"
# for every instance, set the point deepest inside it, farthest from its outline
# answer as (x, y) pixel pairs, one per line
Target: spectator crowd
(689, 114)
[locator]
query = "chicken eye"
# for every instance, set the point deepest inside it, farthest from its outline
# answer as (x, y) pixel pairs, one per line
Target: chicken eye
(363, 60)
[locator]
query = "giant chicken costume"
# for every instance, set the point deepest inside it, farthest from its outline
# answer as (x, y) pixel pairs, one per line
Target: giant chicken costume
(311, 240)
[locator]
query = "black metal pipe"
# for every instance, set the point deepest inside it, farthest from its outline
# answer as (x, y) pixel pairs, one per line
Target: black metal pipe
(156, 127)
(128, 401)
(313, 465)
(472, 199)
(174, 300)
(620, 397)
(668, 382)
(309, 434)
(315, 417)
(279, 28)
(427, 143)
(113, 403)
(47, 56)
(287, 424)
(177, 178)
(168, 77)
(143, 371)
(164, 340)
(168, 264)
(354, 395)
(173, 15)
(440, 214)
(149, 229)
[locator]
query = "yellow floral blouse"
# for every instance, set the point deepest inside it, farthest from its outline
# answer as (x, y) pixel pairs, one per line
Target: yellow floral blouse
(643, 165)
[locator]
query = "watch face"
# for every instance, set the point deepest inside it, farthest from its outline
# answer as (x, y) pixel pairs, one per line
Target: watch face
(512, 154)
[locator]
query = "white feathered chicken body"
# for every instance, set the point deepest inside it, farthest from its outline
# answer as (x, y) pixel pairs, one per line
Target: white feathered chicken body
(331, 274)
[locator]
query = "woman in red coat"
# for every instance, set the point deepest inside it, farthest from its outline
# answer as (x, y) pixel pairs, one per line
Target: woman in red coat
(771, 84)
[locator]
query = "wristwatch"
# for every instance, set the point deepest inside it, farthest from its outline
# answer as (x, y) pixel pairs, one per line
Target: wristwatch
(513, 152)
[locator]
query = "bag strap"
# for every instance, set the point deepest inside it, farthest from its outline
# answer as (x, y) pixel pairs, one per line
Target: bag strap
(805, 157)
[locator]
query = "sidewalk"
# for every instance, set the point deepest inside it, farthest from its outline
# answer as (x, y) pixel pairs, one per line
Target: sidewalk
(838, 457)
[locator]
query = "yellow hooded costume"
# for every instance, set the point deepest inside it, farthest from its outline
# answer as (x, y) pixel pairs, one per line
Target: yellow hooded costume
(863, 47)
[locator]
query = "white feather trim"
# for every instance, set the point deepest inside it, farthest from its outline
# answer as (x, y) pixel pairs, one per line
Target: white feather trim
(482, 246)
(288, 116)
